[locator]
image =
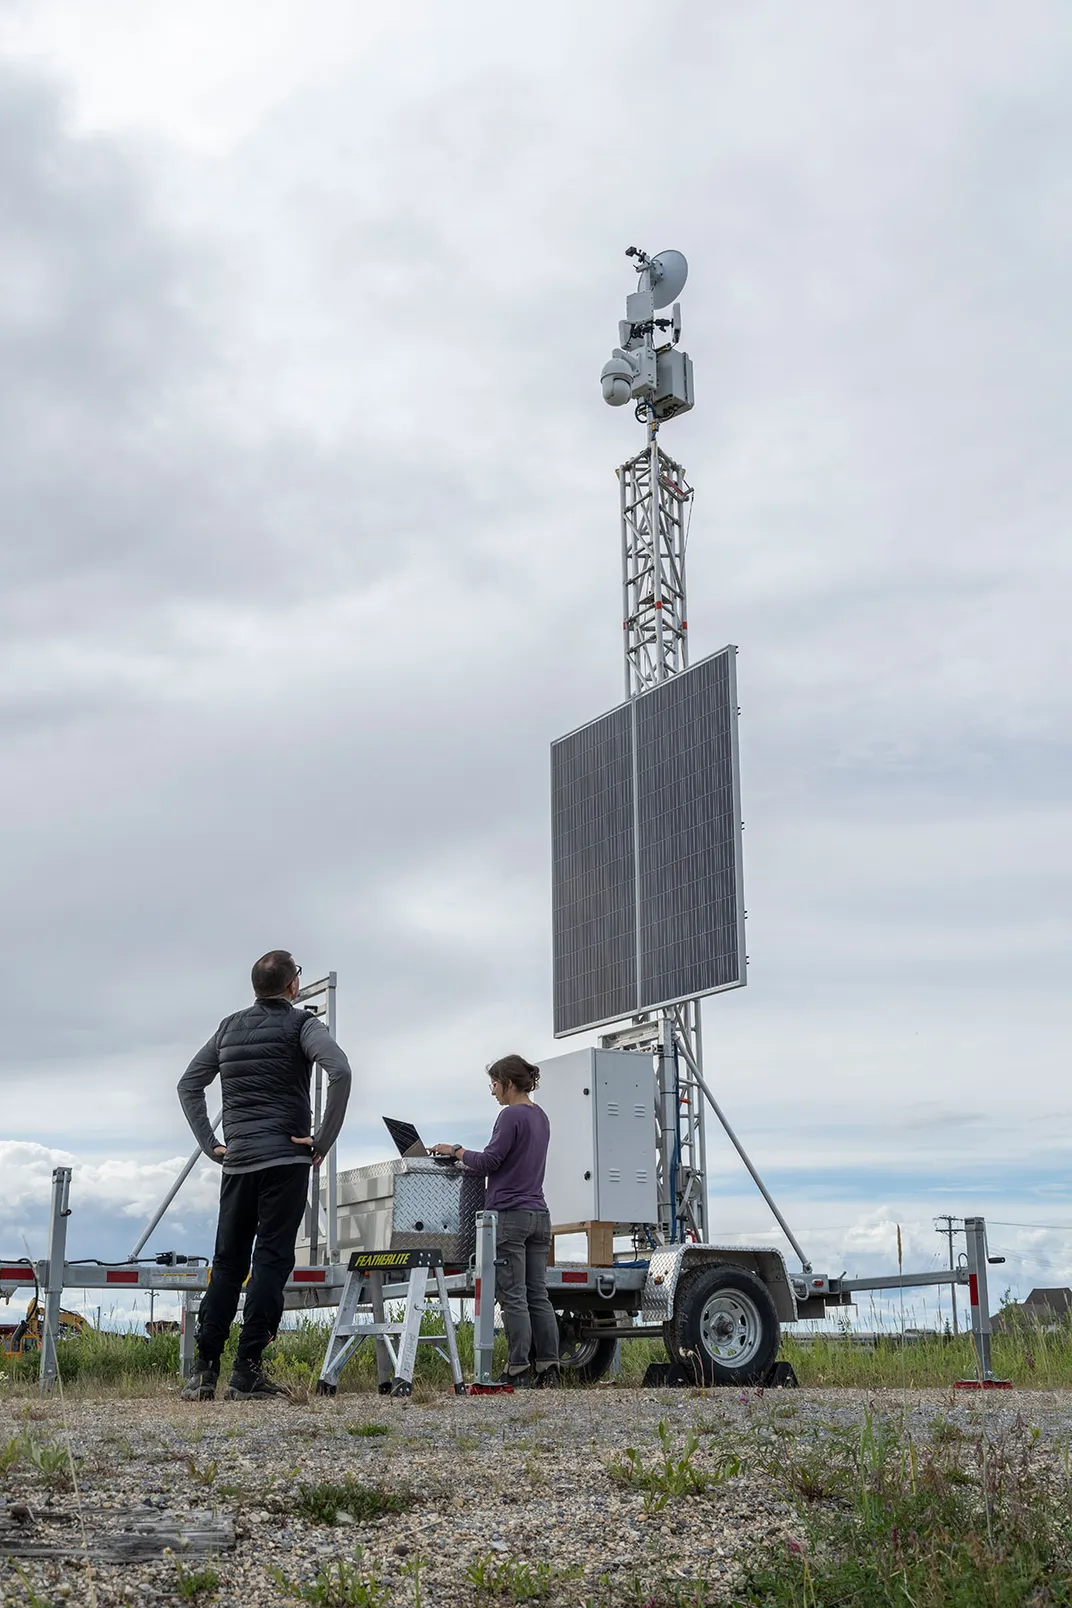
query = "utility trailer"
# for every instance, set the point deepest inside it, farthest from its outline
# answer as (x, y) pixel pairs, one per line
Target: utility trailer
(718, 1309)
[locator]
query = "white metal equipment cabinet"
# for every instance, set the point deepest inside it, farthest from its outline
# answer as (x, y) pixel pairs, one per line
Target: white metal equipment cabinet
(601, 1163)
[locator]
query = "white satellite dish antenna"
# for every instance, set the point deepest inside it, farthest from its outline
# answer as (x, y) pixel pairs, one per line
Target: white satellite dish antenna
(669, 271)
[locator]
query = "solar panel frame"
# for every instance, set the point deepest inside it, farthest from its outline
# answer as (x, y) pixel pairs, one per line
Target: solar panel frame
(656, 759)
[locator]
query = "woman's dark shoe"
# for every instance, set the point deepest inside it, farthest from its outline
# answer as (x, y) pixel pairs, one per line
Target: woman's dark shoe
(547, 1378)
(520, 1381)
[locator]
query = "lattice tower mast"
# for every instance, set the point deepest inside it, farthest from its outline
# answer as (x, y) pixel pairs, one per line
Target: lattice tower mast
(656, 507)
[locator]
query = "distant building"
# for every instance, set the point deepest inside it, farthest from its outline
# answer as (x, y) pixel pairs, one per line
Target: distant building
(1042, 1309)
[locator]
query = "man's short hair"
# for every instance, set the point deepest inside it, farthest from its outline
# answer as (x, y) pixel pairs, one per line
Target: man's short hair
(274, 972)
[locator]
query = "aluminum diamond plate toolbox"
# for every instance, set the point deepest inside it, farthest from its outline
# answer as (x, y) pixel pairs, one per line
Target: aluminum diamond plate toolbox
(410, 1203)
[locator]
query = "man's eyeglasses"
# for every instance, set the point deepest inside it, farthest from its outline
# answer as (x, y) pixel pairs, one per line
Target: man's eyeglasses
(297, 971)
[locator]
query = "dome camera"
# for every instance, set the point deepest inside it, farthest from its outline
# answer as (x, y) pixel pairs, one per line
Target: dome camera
(617, 380)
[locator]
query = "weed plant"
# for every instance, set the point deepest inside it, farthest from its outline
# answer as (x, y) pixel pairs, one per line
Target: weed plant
(343, 1586)
(191, 1583)
(671, 1477)
(321, 1503)
(515, 1579)
(892, 1522)
(49, 1461)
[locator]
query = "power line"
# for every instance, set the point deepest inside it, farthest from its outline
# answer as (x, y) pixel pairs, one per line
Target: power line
(1053, 1228)
(1033, 1261)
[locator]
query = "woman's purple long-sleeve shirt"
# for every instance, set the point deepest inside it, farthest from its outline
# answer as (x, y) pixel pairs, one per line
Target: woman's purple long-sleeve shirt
(514, 1160)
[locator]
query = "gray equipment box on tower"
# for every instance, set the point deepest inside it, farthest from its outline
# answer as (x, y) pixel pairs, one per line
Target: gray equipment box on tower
(409, 1204)
(673, 383)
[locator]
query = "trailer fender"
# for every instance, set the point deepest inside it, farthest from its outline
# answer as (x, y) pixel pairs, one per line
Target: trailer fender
(666, 1267)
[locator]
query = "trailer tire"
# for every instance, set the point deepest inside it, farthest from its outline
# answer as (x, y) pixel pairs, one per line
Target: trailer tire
(725, 1329)
(583, 1361)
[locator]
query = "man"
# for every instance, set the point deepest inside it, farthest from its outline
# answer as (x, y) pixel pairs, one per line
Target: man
(263, 1056)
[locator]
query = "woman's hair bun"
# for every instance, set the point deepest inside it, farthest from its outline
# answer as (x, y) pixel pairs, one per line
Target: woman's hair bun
(514, 1069)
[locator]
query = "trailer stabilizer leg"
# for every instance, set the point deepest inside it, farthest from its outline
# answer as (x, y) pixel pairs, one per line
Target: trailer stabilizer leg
(975, 1239)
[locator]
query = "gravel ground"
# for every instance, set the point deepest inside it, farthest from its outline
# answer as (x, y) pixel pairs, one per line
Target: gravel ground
(517, 1478)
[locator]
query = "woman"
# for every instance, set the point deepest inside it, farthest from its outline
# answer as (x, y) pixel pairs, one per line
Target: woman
(514, 1165)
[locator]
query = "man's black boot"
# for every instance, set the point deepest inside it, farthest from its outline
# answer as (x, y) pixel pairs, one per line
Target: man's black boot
(249, 1382)
(201, 1385)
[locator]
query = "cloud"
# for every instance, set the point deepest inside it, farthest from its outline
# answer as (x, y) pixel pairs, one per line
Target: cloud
(110, 1201)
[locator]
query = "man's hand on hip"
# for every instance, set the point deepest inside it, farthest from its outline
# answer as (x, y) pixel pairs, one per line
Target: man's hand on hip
(220, 1151)
(317, 1157)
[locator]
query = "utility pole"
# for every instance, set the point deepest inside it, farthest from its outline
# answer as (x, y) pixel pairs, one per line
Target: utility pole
(949, 1230)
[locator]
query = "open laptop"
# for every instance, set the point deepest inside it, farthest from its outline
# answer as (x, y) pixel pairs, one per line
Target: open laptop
(409, 1142)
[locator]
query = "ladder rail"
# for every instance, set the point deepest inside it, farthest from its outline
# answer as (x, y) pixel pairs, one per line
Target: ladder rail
(448, 1325)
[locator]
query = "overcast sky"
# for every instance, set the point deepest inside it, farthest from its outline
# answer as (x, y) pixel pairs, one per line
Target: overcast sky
(310, 548)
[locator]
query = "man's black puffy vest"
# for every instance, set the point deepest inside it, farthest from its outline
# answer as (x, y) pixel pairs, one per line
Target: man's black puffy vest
(265, 1079)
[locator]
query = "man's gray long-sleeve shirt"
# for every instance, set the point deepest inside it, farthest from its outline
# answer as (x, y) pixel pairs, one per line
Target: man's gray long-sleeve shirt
(258, 1127)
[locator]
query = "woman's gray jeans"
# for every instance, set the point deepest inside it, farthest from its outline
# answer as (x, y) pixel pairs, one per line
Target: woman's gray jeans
(523, 1244)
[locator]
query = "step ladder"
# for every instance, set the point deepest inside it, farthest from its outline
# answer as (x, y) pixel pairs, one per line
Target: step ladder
(362, 1316)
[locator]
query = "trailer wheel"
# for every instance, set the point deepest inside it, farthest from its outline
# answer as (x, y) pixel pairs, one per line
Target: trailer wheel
(584, 1360)
(725, 1328)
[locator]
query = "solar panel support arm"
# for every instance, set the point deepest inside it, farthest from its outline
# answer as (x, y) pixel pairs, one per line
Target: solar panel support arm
(756, 1179)
(151, 1226)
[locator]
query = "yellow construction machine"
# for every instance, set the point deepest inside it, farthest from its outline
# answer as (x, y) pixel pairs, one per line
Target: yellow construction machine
(16, 1339)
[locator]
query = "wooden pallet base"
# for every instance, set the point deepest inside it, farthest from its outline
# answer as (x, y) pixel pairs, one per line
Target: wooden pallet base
(600, 1242)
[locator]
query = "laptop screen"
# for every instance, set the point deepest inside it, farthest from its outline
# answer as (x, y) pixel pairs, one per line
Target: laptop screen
(407, 1140)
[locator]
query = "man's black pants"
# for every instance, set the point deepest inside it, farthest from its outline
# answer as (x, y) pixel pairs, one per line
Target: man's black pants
(265, 1207)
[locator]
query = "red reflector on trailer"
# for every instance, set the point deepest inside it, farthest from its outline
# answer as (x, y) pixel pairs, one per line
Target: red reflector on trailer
(308, 1275)
(973, 1289)
(17, 1274)
(575, 1278)
(118, 1277)
(476, 1297)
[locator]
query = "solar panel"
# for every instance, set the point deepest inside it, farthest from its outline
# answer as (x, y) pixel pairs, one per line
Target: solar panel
(647, 898)
(594, 871)
(688, 827)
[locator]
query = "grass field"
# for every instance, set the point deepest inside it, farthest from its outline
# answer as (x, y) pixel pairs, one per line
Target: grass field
(1028, 1355)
